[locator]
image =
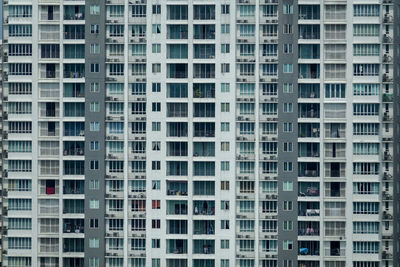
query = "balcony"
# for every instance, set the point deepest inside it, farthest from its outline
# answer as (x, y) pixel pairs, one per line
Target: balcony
(74, 109)
(309, 248)
(309, 130)
(74, 32)
(309, 189)
(179, 32)
(309, 110)
(308, 228)
(335, 130)
(204, 12)
(74, 148)
(177, 149)
(74, 90)
(177, 207)
(73, 206)
(177, 71)
(177, 129)
(309, 32)
(335, 189)
(203, 149)
(74, 51)
(309, 71)
(309, 169)
(204, 207)
(177, 227)
(74, 12)
(309, 90)
(204, 168)
(204, 129)
(74, 167)
(204, 51)
(177, 168)
(73, 262)
(73, 226)
(74, 187)
(336, 249)
(201, 90)
(74, 71)
(204, 110)
(309, 150)
(73, 245)
(176, 246)
(309, 12)
(177, 188)
(204, 32)
(74, 129)
(335, 150)
(309, 209)
(203, 71)
(177, 110)
(204, 227)
(203, 246)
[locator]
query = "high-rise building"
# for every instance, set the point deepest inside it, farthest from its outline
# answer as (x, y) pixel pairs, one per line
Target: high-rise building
(201, 133)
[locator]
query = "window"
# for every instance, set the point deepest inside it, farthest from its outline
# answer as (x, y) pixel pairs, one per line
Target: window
(224, 9)
(155, 263)
(224, 68)
(287, 263)
(94, 164)
(287, 107)
(94, 107)
(93, 243)
(224, 244)
(224, 126)
(287, 68)
(155, 224)
(94, 49)
(94, 126)
(287, 225)
(288, 88)
(95, 10)
(225, 28)
(156, 146)
(156, 68)
(287, 245)
(94, 28)
(94, 204)
(156, 126)
(94, 262)
(225, 205)
(156, 204)
(287, 186)
(287, 9)
(156, 106)
(156, 184)
(224, 107)
(94, 145)
(287, 28)
(287, 166)
(224, 224)
(224, 185)
(94, 87)
(156, 28)
(225, 146)
(156, 48)
(287, 205)
(224, 165)
(224, 263)
(156, 165)
(94, 185)
(225, 87)
(287, 48)
(156, 9)
(156, 87)
(225, 48)
(155, 243)
(287, 127)
(287, 147)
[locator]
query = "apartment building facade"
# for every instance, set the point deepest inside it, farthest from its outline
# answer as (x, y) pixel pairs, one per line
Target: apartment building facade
(199, 133)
